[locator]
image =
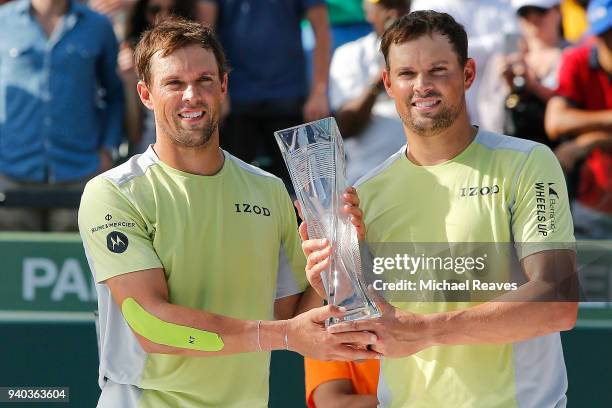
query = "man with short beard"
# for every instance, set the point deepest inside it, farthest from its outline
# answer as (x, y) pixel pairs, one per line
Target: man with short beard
(452, 184)
(187, 239)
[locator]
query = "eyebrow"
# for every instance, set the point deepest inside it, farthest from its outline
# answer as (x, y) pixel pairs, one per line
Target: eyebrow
(435, 63)
(169, 78)
(175, 77)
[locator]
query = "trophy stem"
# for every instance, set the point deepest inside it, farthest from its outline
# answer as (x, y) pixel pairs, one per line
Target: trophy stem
(314, 154)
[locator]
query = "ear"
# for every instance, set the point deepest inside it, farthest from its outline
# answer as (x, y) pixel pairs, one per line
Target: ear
(387, 81)
(224, 84)
(469, 73)
(145, 95)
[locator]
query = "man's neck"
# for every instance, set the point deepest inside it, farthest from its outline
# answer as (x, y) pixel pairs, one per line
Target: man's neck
(204, 161)
(429, 150)
(50, 8)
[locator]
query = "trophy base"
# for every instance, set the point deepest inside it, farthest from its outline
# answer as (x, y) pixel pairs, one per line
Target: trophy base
(365, 312)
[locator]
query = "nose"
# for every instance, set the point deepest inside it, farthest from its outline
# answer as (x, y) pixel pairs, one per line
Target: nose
(192, 94)
(422, 84)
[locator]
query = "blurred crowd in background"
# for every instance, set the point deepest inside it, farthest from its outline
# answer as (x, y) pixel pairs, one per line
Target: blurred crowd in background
(69, 107)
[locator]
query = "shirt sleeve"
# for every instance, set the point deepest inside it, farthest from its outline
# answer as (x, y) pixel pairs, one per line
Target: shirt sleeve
(291, 277)
(115, 236)
(541, 218)
(570, 84)
(318, 372)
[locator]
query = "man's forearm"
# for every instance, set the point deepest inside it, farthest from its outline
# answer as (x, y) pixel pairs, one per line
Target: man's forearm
(309, 300)
(354, 116)
(543, 305)
(239, 336)
(340, 393)
(591, 140)
(322, 49)
(501, 322)
(565, 120)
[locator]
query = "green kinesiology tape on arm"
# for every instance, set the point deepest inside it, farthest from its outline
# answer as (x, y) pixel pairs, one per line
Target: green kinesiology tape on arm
(169, 334)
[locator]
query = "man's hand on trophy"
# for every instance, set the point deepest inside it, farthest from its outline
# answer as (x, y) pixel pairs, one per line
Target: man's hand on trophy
(399, 333)
(350, 207)
(317, 251)
(307, 335)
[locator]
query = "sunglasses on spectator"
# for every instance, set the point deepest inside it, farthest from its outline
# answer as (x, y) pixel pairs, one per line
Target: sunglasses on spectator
(526, 10)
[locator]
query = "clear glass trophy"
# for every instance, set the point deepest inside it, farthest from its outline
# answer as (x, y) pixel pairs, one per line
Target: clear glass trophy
(314, 155)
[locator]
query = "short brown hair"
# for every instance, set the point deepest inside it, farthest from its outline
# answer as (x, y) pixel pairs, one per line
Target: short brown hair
(426, 22)
(170, 35)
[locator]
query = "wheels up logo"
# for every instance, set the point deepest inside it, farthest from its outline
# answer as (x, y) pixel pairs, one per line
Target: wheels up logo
(117, 242)
(546, 204)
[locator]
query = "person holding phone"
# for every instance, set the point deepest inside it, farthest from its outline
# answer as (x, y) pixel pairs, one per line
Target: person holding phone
(519, 82)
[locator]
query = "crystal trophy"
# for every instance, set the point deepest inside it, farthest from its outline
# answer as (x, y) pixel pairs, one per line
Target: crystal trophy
(314, 155)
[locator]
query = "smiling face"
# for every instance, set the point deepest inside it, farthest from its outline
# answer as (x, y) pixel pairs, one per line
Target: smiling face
(428, 83)
(185, 93)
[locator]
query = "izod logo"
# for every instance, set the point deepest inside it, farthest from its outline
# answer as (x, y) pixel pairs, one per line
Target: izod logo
(252, 209)
(478, 191)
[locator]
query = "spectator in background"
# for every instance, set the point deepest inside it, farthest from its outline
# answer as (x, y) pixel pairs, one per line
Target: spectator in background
(582, 113)
(140, 123)
(347, 21)
(486, 23)
(350, 384)
(518, 82)
(366, 115)
(61, 102)
(269, 90)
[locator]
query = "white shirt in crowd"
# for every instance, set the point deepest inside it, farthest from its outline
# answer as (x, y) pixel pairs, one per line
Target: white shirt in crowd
(353, 66)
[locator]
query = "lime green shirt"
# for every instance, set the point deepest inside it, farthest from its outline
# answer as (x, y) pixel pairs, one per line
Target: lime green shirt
(228, 244)
(498, 190)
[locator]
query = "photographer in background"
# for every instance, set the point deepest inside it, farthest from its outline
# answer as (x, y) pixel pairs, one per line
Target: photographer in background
(518, 83)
